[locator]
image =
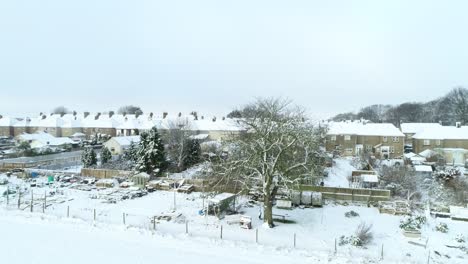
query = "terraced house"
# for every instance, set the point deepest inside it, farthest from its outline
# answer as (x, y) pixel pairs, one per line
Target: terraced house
(444, 137)
(68, 125)
(352, 138)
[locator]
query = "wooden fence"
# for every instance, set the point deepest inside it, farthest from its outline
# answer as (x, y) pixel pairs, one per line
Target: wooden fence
(349, 194)
(103, 174)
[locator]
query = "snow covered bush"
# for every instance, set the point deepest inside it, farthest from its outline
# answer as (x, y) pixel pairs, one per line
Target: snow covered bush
(364, 235)
(413, 223)
(351, 214)
(460, 238)
(442, 227)
(361, 237)
(447, 174)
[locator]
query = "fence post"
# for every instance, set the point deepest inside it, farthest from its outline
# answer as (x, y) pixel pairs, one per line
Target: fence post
(429, 257)
(32, 200)
(8, 196)
(154, 222)
(19, 198)
(186, 227)
(335, 247)
(256, 235)
(94, 211)
(45, 202)
(68, 211)
(294, 240)
(221, 233)
(123, 218)
(381, 253)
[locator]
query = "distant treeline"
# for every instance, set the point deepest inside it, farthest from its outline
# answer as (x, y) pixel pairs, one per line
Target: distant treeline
(448, 110)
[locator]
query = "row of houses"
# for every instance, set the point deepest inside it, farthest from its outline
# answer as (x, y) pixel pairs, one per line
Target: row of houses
(350, 138)
(68, 125)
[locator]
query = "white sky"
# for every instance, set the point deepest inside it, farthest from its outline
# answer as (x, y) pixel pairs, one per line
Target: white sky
(211, 56)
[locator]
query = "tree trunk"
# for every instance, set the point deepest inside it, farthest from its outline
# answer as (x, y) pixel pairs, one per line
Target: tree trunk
(268, 207)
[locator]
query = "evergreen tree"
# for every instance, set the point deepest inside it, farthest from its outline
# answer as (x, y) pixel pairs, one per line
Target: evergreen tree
(192, 153)
(106, 155)
(150, 154)
(88, 157)
(130, 154)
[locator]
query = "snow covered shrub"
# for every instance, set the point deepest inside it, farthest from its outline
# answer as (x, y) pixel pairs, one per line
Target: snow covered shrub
(344, 240)
(363, 234)
(355, 241)
(351, 214)
(460, 238)
(442, 227)
(413, 223)
(447, 174)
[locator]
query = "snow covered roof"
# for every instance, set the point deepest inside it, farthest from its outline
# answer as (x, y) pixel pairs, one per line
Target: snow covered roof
(45, 139)
(370, 178)
(444, 132)
(363, 129)
(413, 128)
(126, 141)
(423, 168)
(199, 136)
(427, 153)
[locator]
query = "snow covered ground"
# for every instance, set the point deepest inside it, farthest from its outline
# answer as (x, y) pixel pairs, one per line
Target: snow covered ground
(316, 230)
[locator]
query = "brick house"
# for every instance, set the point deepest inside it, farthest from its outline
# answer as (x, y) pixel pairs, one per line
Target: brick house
(355, 138)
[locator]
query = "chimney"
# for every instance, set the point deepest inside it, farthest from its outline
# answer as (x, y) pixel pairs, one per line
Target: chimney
(180, 114)
(224, 118)
(97, 116)
(214, 119)
(1, 116)
(44, 117)
(86, 114)
(458, 124)
(62, 114)
(165, 115)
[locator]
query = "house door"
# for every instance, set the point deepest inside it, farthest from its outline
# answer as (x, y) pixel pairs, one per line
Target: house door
(359, 149)
(385, 150)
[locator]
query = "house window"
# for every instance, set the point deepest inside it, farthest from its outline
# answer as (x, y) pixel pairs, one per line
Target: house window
(392, 149)
(333, 138)
(349, 151)
(396, 139)
(385, 139)
(347, 137)
(427, 142)
(438, 142)
(368, 148)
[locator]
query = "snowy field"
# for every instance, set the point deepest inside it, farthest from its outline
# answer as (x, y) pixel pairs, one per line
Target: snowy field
(316, 230)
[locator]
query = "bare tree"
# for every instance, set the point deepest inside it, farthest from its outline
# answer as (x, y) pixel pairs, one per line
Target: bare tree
(280, 150)
(60, 110)
(176, 138)
(130, 110)
(459, 101)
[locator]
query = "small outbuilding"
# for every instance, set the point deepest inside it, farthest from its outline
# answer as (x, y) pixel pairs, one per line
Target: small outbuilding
(118, 145)
(141, 179)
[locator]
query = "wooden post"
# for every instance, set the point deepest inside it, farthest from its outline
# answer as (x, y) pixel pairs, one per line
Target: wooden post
(32, 200)
(221, 232)
(123, 218)
(19, 198)
(429, 257)
(8, 195)
(256, 235)
(94, 211)
(381, 253)
(186, 227)
(154, 222)
(294, 240)
(335, 247)
(45, 202)
(68, 211)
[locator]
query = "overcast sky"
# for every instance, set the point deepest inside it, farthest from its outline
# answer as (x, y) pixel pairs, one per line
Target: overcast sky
(211, 56)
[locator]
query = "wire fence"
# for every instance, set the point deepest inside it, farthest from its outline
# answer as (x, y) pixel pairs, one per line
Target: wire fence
(41, 204)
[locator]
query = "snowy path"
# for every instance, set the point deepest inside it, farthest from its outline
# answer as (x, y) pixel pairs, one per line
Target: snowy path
(339, 173)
